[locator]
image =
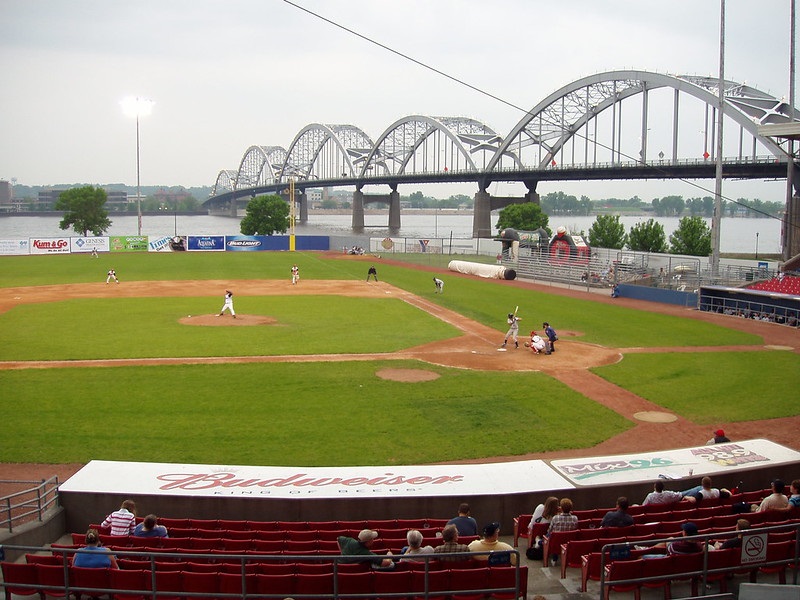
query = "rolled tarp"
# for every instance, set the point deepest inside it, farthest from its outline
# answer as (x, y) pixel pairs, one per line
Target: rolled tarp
(482, 270)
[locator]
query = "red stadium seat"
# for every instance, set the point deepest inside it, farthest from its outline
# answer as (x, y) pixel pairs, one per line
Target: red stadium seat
(391, 582)
(349, 584)
(18, 575)
(465, 580)
(138, 584)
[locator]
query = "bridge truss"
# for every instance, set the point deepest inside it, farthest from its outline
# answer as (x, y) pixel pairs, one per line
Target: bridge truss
(668, 120)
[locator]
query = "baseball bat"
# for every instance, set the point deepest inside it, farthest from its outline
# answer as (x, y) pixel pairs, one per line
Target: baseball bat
(516, 309)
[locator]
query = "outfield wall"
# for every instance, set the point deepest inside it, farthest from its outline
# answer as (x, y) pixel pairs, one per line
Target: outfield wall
(180, 243)
(495, 491)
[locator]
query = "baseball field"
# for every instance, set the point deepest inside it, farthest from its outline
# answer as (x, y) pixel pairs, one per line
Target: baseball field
(338, 371)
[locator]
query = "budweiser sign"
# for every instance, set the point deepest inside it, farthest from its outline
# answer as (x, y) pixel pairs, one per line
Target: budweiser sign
(207, 481)
(242, 481)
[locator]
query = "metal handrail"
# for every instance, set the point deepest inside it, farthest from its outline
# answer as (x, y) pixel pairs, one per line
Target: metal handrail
(34, 501)
(704, 538)
(250, 557)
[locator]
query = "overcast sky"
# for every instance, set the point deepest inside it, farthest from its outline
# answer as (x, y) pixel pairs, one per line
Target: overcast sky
(228, 74)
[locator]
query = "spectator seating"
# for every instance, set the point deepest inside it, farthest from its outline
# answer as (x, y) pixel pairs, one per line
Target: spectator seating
(136, 584)
(781, 285)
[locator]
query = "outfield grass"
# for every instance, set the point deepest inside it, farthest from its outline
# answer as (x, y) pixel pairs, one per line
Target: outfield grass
(713, 387)
(291, 414)
(333, 413)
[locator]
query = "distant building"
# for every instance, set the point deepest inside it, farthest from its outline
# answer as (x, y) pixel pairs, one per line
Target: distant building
(6, 197)
(116, 200)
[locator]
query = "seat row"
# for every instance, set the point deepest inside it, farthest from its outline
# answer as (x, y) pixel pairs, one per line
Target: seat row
(247, 525)
(273, 535)
(568, 545)
(716, 515)
(119, 543)
(661, 572)
(126, 584)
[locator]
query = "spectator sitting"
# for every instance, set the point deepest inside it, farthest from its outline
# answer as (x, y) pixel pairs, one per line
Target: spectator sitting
(734, 542)
(777, 500)
(93, 555)
(702, 491)
(683, 546)
(662, 496)
(563, 521)
(794, 500)
(466, 525)
(680, 545)
(544, 512)
(719, 437)
(414, 539)
(450, 537)
(361, 547)
(149, 528)
(122, 521)
(618, 517)
(489, 543)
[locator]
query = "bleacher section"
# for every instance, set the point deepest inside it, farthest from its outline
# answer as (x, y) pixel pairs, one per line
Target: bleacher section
(780, 285)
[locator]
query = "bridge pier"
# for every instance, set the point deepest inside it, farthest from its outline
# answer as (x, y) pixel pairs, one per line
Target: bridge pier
(394, 210)
(485, 203)
(357, 222)
(392, 199)
(303, 199)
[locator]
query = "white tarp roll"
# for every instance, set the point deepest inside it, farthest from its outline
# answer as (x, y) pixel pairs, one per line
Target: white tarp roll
(481, 269)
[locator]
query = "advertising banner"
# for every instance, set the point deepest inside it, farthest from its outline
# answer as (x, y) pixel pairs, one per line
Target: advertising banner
(314, 482)
(214, 243)
(15, 246)
(86, 244)
(49, 245)
(715, 459)
(167, 243)
(245, 243)
(128, 243)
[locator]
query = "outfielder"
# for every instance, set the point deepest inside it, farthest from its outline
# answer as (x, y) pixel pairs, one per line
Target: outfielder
(228, 304)
(112, 274)
(295, 275)
(439, 285)
(513, 329)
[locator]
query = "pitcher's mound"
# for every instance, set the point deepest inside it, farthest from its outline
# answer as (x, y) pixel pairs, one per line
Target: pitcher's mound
(407, 375)
(227, 321)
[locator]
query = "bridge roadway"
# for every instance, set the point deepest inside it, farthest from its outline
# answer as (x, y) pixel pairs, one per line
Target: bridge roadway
(767, 168)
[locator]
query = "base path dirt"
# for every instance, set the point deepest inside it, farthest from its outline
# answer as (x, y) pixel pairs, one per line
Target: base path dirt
(476, 348)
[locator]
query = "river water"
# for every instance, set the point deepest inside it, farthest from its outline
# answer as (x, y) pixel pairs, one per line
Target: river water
(740, 235)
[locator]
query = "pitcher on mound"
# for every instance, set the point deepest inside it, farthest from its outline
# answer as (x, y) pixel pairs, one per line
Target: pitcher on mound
(228, 304)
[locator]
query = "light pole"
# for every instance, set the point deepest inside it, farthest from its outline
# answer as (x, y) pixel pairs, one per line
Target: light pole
(756, 245)
(137, 107)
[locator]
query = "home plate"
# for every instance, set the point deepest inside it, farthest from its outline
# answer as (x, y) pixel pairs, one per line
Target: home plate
(501, 349)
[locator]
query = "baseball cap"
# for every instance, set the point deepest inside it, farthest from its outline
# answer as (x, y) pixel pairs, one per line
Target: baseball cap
(719, 432)
(365, 535)
(490, 529)
(689, 528)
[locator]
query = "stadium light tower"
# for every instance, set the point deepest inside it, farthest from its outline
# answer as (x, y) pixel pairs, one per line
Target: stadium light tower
(137, 107)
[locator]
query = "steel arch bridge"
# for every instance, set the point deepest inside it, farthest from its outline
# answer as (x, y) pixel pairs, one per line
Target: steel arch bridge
(576, 133)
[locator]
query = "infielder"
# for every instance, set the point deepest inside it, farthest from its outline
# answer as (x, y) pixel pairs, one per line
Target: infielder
(439, 285)
(372, 272)
(112, 274)
(513, 329)
(228, 304)
(295, 275)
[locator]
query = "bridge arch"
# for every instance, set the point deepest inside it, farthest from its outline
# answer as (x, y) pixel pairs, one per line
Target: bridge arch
(226, 182)
(326, 152)
(259, 166)
(567, 113)
(421, 144)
